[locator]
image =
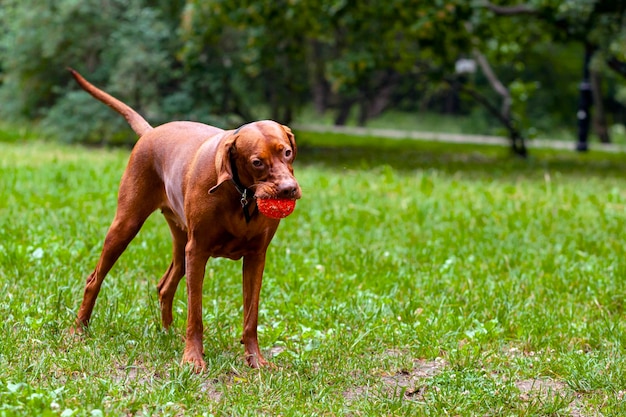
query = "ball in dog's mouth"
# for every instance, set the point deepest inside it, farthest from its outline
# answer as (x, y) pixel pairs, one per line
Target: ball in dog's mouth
(276, 208)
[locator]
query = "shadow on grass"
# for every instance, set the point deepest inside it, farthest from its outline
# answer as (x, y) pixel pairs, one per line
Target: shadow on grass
(344, 152)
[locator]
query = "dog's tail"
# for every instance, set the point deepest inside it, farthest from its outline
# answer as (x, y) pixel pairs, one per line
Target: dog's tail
(136, 122)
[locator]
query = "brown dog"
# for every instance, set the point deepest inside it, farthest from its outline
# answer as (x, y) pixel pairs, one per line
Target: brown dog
(205, 181)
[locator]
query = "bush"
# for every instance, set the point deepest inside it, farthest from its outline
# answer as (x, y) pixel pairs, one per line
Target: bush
(78, 118)
(123, 46)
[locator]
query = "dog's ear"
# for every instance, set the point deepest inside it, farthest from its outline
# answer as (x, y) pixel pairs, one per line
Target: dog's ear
(222, 161)
(292, 140)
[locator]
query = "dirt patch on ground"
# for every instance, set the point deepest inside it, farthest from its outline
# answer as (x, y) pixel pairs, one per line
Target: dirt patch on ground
(546, 389)
(276, 350)
(139, 374)
(209, 388)
(407, 382)
(136, 373)
(412, 384)
(542, 388)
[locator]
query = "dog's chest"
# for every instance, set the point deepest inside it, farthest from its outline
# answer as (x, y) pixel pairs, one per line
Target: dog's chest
(231, 246)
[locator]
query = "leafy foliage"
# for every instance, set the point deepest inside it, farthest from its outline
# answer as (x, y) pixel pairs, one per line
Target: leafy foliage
(121, 43)
(227, 62)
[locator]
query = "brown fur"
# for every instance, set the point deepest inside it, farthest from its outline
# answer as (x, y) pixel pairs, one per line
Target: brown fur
(186, 170)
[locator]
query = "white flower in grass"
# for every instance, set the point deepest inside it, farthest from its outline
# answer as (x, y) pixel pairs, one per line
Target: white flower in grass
(36, 254)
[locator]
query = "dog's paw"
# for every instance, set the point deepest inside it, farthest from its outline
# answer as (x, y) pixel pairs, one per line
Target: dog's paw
(195, 360)
(78, 330)
(258, 361)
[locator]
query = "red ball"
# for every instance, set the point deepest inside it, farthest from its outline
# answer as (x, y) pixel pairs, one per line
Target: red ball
(276, 208)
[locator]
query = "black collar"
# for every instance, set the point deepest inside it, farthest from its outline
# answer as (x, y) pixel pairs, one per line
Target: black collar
(247, 194)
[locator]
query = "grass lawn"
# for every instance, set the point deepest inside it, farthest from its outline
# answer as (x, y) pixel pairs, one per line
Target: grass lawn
(412, 279)
(442, 123)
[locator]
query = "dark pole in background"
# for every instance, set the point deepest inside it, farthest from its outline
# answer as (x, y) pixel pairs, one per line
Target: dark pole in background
(584, 104)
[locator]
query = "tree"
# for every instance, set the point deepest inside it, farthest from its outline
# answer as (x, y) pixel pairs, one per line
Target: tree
(349, 53)
(599, 25)
(227, 63)
(255, 51)
(120, 45)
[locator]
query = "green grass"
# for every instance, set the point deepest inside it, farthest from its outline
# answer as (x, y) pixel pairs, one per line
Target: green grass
(476, 124)
(12, 132)
(411, 121)
(412, 279)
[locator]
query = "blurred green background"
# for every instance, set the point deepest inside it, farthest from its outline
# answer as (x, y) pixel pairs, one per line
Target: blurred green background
(460, 66)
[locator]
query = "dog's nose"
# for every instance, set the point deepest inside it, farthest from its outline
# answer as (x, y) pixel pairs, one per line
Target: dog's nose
(288, 189)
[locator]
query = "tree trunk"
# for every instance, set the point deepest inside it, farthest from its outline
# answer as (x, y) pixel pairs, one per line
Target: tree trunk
(495, 83)
(363, 113)
(377, 100)
(518, 143)
(599, 116)
(287, 115)
(344, 112)
(452, 103)
(584, 103)
(320, 89)
(382, 96)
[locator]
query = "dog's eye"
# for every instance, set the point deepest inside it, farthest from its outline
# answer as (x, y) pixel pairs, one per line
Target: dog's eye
(257, 163)
(288, 153)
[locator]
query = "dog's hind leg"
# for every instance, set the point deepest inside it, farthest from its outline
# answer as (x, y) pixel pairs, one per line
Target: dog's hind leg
(135, 204)
(169, 282)
(121, 232)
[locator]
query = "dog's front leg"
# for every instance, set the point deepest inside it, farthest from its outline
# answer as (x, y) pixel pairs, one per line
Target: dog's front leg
(196, 259)
(253, 266)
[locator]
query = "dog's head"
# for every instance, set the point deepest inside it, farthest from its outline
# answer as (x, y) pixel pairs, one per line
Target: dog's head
(259, 156)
